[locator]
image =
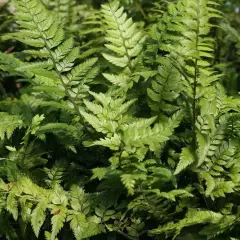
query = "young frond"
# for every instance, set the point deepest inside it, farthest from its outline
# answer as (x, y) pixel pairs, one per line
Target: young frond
(124, 44)
(55, 174)
(125, 40)
(186, 158)
(8, 123)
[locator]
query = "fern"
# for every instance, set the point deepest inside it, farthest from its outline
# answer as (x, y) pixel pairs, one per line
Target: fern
(64, 10)
(55, 174)
(12, 206)
(133, 137)
(129, 181)
(38, 217)
(124, 43)
(53, 199)
(186, 159)
(164, 90)
(8, 124)
(57, 223)
(121, 121)
(193, 217)
(47, 36)
(122, 35)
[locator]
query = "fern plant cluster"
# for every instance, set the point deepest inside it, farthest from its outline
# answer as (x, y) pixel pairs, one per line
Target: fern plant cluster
(125, 122)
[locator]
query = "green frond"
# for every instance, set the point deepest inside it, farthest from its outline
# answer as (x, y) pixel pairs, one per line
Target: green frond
(164, 88)
(48, 236)
(78, 224)
(128, 181)
(210, 182)
(186, 158)
(119, 123)
(92, 229)
(57, 221)
(55, 56)
(214, 230)
(78, 73)
(106, 115)
(79, 200)
(8, 123)
(124, 44)
(38, 217)
(192, 218)
(12, 205)
(208, 144)
(125, 40)
(222, 187)
(172, 195)
(136, 135)
(99, 173)
(112, 143)
(55, 174)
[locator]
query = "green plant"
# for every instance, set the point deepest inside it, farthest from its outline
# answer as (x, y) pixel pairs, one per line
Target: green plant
(123, 130)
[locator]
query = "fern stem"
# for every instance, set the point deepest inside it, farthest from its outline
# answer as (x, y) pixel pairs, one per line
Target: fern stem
(195, 84)
(121, 233)
(194, 115)
(138, 5)
(126, 236)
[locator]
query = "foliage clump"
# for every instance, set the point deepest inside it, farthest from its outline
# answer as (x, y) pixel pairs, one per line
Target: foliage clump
(122, 124)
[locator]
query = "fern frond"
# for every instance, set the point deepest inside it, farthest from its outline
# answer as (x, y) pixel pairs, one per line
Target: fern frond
(9, 63)
(171, 195)
(124, 44)
(129, 182)
(57, 221)
(55, 174)
(123, 37)
(192, 218)
(38, 217)
(99, 173)
(165, 89)
(78, 224)
(134, 134)
(101, 120)
(12, 205)
(187, 158)
(64, 9)
(8, 123)
(79, 200)
(208, 145)
(42, 30)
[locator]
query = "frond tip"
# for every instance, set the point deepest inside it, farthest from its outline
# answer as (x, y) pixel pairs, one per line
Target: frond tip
(8, 123)
(123, 37)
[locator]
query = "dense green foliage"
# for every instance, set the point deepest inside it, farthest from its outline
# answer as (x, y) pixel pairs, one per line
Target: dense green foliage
(120, 120)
